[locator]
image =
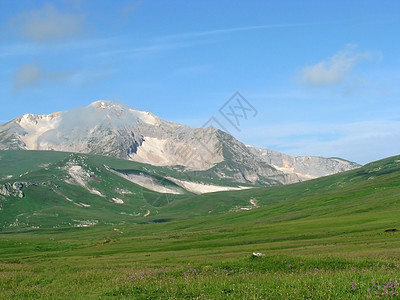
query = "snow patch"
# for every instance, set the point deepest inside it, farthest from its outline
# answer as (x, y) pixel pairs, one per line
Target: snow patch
(36, 126)
(117, 200)
(145, 116)
(81, 177)
(202, 188)
(80, 204)
(149, 183)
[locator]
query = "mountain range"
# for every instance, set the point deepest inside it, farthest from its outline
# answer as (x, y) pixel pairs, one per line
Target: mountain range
(110, 129)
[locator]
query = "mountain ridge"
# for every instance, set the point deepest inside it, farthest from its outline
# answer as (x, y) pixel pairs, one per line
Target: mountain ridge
(111, 129)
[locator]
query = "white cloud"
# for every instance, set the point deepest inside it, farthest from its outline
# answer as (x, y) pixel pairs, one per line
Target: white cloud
(47, 24)
(334, 70)
(27, 75)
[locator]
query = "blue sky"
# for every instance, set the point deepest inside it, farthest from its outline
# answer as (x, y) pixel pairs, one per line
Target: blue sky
(323, 76)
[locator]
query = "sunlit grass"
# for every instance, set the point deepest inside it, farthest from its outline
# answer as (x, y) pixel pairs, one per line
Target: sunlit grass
(323, 239)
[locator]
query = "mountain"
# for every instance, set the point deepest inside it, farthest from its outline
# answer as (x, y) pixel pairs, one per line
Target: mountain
(107, 128)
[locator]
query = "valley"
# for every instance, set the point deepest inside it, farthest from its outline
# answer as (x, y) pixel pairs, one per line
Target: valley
(329, 237)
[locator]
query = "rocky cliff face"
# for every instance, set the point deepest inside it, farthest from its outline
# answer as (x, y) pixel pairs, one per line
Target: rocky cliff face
(107, 128)
(304, 167)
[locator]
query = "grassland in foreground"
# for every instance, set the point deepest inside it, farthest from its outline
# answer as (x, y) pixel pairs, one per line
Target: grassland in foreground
(329, 245)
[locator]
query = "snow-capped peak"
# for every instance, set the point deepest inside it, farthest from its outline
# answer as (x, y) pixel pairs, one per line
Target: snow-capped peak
(104, 104)
(120, 110)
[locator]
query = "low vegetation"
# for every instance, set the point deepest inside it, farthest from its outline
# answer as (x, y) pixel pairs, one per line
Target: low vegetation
(330, 238)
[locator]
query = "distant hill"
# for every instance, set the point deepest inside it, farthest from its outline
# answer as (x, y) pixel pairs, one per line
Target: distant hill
(56, 189)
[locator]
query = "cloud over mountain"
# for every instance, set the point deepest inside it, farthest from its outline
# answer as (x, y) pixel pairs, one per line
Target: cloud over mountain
(333, 70)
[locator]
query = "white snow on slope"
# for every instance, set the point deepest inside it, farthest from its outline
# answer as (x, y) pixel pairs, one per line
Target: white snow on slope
(144, 116)
(168, 152)
(148, 183)
(81, 177)
(117, 200)
(80, 204)
(202, 188)
(35, 126)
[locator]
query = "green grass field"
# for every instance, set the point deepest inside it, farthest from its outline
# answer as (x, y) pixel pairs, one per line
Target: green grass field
(322, 239)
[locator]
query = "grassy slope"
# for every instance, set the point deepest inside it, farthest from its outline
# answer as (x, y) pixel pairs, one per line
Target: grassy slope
(18, 162)
(323, 239)
(45, 204)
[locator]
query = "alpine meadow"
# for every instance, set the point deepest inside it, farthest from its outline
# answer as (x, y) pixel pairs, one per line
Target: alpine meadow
(328, 238)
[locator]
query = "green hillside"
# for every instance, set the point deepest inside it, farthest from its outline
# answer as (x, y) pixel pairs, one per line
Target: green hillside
(52, 197)
(330, 238)
(52, 200)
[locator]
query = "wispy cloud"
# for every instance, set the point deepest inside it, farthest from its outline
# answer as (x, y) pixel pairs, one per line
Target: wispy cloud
(233, 30)
(27, 75)
(47, 25)
(130, 9)
(90, 76)
(151, 48)
(27, 49)
(181, 40)
(334, 70)
(32, 74)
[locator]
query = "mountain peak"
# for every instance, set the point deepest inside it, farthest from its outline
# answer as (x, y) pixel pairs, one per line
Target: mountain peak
(108, 128)
(106, 104)
(120, 110)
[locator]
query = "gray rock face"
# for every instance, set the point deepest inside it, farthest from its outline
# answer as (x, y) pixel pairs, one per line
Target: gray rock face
(14, 189)
(107, 128)
(304, 167)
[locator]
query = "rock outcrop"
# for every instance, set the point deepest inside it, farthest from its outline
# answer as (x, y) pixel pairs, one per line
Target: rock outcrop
(14, 189)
